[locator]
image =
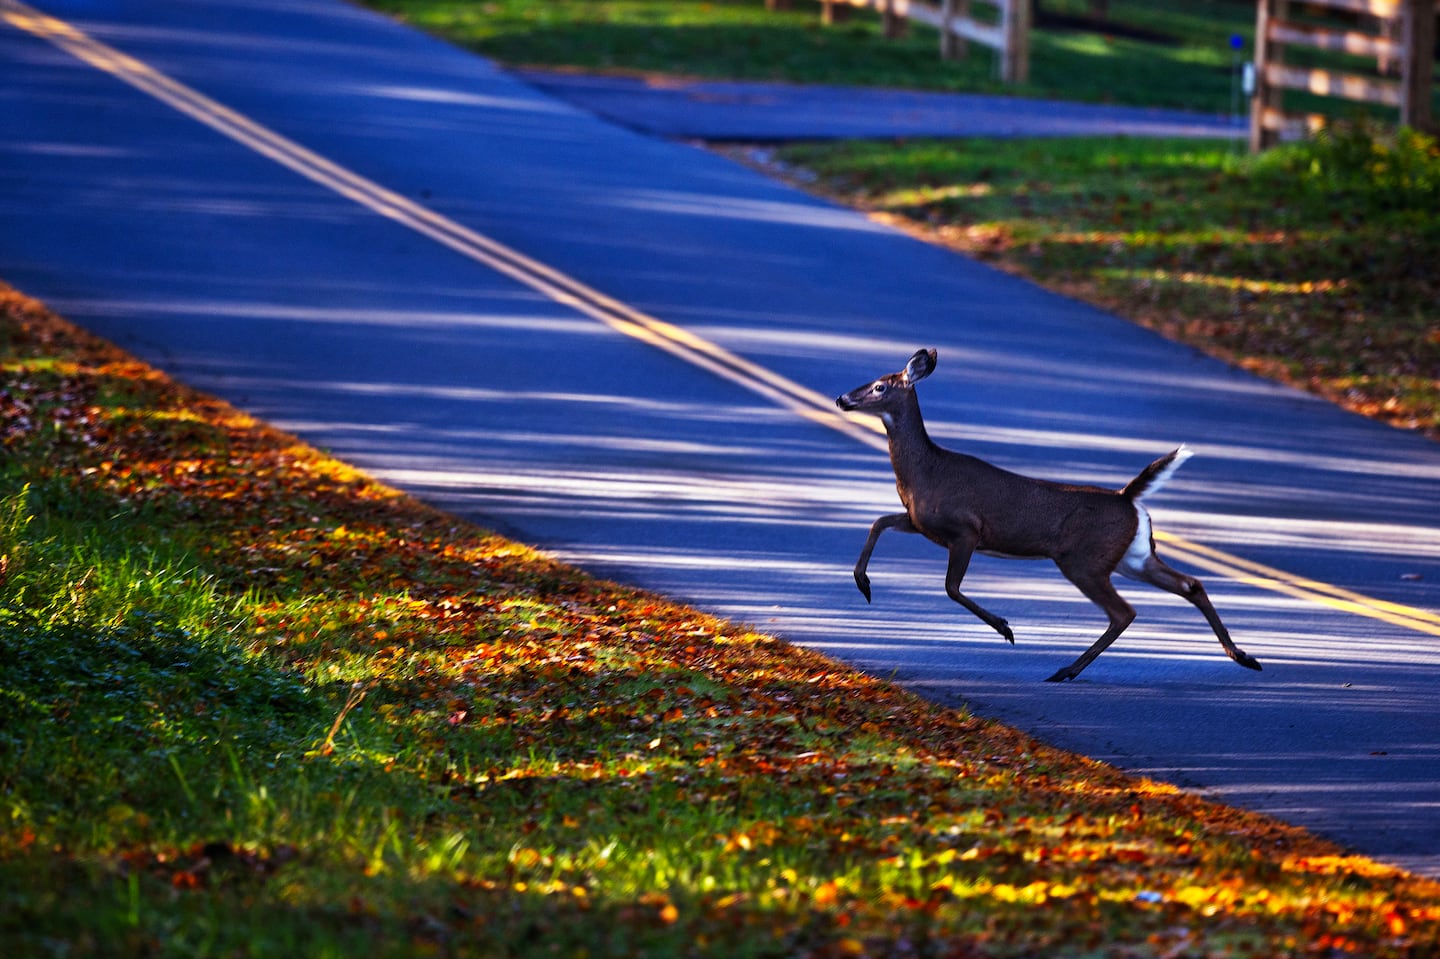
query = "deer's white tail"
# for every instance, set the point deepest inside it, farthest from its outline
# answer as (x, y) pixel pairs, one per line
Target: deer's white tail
(1156, 475)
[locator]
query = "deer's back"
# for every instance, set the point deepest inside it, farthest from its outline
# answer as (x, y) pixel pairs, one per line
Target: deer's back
(951, 494)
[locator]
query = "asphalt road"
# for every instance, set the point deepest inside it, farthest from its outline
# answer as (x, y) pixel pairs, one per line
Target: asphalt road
(454, 281)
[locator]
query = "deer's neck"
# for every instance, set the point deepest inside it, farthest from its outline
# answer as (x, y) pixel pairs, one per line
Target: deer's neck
(910, 445)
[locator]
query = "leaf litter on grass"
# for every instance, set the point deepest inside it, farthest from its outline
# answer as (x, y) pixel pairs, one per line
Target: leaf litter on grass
(372, 729)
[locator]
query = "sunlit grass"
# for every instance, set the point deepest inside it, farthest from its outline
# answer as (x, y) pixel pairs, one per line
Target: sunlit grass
(434, 741)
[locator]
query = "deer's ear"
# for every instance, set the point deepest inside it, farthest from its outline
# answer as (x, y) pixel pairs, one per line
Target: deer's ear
(921, 365)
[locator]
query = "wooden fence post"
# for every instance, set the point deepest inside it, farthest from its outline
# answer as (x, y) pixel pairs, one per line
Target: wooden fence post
(1010, 37)
(1267, 96)
(1015, 54)
(893, 23)
(952, 45)
(1417, 70)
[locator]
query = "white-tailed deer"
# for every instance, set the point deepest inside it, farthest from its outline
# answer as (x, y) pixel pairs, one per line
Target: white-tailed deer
(966, 506)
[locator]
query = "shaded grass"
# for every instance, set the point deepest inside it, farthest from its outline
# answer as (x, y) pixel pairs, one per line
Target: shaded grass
(1310, 263)
(323, 719)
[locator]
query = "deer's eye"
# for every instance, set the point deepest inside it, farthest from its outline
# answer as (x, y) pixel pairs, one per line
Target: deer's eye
(880, 388)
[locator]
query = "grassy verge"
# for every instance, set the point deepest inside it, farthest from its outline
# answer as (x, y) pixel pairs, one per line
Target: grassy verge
(1311, 263)
(252, 703)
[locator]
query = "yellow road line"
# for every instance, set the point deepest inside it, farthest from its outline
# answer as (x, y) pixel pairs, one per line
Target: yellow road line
(1279, 581)
(620, 317)
(557, 286)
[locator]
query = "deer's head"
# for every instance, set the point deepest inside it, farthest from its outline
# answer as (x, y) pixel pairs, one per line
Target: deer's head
(881, 395)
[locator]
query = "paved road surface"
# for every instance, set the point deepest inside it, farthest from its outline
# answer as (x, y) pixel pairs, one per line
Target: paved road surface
(393, 249)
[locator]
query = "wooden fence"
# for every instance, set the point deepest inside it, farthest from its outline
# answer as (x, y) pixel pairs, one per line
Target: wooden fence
(1009, 35)
(1401, 38)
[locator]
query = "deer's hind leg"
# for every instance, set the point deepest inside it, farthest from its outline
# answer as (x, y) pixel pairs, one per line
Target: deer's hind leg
(1100, 591)
(1154, 571)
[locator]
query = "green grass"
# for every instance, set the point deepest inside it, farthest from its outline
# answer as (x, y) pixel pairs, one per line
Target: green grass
(356, 727)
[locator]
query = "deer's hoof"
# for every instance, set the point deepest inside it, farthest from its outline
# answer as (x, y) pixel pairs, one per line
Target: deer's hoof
(1061, 676)
(1004, 630)
(1248, 661)
(863, 582)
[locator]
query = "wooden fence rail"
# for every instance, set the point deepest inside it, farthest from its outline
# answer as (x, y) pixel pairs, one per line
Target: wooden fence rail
(1009, 35)
(1403, 34)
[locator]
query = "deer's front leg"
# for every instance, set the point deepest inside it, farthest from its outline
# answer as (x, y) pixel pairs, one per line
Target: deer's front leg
(898, 521)
(960, 552)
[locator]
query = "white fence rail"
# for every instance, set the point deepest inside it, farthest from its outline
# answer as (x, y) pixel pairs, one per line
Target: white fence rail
(1007, 32)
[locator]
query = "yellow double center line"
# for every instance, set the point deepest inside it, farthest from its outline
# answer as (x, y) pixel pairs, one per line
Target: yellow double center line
(1279, 581)
(532, 273)
(618, 316)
